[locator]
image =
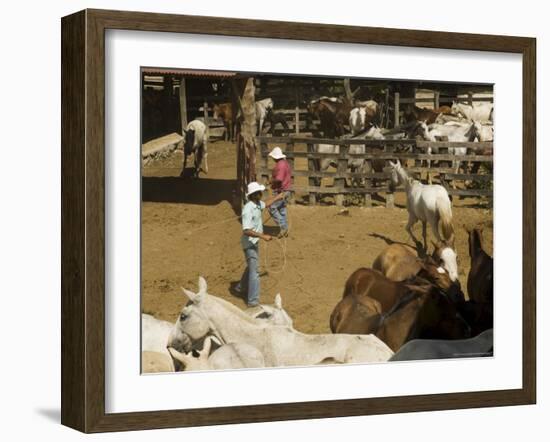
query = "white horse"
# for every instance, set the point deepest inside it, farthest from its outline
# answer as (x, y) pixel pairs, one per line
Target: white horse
(262, 107)
(428, 203)
(358, 115)
(453, 131)
(226, 357)
(196, 143)
(477, 112)
(422, 349)
(207, 315)
(156, 332)
(357, 164)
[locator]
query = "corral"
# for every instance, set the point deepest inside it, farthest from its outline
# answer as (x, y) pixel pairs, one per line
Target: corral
(189, 228)
(339, 219)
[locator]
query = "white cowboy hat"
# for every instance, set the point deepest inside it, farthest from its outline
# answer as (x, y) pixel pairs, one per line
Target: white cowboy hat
(277, 153)
(254, 187)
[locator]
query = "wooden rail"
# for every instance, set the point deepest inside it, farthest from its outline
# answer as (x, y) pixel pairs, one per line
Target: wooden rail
(376, 182)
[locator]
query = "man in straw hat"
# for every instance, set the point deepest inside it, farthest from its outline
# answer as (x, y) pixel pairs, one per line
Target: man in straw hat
(253, 231)
(280, 184)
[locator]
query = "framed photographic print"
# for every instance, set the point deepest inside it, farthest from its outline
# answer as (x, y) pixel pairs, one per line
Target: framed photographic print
(268, 221)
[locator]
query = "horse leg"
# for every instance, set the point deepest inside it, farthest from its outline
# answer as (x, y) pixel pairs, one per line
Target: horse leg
(424, 236)
(205, 156)
(434, 224)
(408, 227)
(184, 163)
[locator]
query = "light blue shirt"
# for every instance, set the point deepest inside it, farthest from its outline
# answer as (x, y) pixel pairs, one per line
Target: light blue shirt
(252, 220)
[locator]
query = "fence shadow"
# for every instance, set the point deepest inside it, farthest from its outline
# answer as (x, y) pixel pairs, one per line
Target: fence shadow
(202, 191)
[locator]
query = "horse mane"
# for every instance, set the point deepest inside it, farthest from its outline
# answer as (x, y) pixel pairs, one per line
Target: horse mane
(235, 310)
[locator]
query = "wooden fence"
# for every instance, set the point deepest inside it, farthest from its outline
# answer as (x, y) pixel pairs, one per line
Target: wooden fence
(377, 182)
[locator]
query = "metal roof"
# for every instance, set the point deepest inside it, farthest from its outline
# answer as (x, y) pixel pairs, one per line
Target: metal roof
(188, 72)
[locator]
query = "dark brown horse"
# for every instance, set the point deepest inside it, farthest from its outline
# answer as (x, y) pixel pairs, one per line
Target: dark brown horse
(478, 310)
(275, 118)
(396, 311)
(333, 114)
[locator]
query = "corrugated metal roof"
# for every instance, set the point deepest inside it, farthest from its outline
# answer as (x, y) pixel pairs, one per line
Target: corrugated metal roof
(188, 72)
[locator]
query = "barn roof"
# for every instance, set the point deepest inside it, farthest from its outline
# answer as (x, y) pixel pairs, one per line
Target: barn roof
(188, 72)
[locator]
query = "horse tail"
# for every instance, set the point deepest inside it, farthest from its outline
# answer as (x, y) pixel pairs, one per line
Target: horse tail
(446, 216)
(474, 242)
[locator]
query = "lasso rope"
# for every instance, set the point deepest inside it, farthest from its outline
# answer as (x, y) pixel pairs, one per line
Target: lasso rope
(280, 242)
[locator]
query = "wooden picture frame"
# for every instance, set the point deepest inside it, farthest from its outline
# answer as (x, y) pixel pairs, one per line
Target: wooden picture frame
(83, 219)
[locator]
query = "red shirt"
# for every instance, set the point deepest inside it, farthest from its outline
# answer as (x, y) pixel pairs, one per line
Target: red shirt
(280, 177)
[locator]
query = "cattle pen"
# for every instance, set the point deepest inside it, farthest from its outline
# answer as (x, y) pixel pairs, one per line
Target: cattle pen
(373, 183)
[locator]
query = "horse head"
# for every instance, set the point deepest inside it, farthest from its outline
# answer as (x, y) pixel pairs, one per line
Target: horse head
(274, 314)
(445, 256)
(436, 274)
(439, 316)
(193, 324)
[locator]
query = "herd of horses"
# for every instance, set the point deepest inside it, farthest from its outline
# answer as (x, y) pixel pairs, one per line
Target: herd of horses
(405, 307)
(408, 305)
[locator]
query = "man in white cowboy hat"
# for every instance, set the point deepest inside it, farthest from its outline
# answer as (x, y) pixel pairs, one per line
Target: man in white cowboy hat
(253, 231)
(280, 184)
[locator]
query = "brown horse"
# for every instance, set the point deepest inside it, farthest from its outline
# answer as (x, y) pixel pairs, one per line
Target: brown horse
(333, 114)
(396, 311)
(478, 310)
(400, 262)
(415, 113)
(225, 112)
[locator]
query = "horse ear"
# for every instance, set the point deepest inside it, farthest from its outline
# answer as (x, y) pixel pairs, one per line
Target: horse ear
(392, 164)
(191, 295)
(278, 301)
(203, 287)
(181, 357)
(207, 344)
(451, 241)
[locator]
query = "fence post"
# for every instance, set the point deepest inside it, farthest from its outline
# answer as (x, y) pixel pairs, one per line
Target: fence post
(340, 183)
(471, 98)
(290, 149)
(205, 111)
(436, 99)
(396, 110)
(311, 181)
(389, 195)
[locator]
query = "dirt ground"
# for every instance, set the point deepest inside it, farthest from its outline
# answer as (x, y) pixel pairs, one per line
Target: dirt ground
(189, 229)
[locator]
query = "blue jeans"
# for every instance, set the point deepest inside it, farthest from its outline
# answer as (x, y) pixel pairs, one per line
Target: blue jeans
(278, 212)
(250, 281)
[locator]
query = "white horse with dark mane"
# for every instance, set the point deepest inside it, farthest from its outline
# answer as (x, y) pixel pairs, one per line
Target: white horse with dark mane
(428, 203)
(262, 107)
(207, 315)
